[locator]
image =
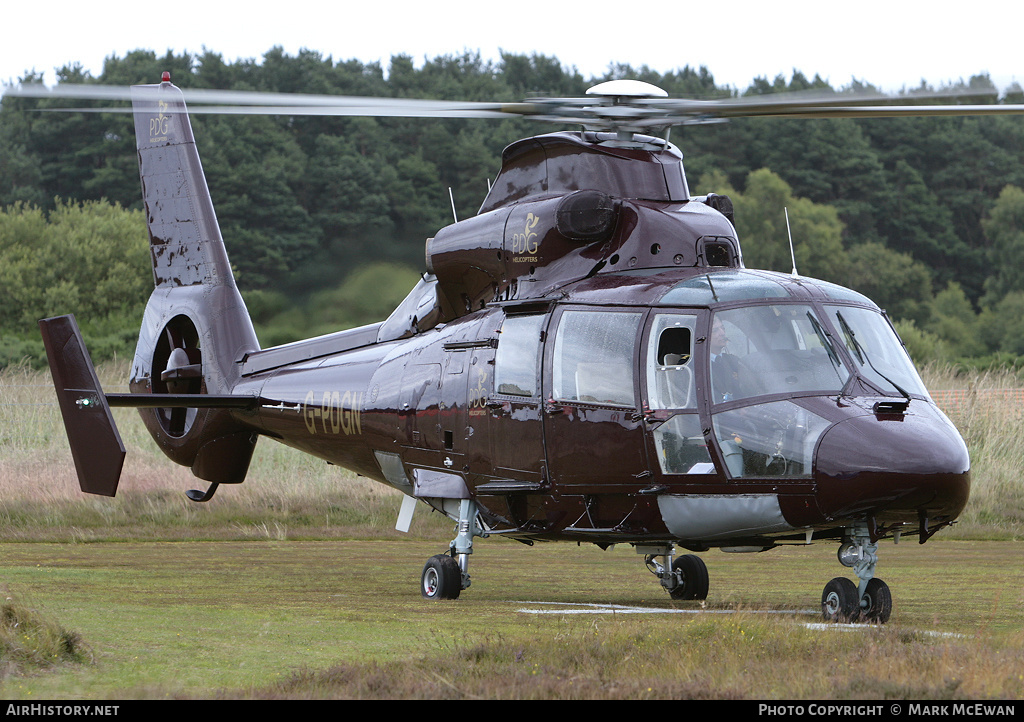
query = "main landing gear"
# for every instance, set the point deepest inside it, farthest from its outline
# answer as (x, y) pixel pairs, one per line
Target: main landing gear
(446, 575)
(685, 577)
(870, 601)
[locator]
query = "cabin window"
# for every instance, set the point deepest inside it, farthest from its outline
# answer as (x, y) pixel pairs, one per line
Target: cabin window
(517, 360)
(594, 356)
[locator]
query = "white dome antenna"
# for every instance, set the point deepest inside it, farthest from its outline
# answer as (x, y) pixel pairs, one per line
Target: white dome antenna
(627, 89)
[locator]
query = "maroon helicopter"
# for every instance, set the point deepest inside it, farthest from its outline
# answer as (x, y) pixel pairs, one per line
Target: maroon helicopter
(587, 359)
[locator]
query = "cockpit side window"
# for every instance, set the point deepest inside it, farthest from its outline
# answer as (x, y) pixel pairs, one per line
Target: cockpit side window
(768, 440)
(679, 442)
(670, 377)
(593, 357)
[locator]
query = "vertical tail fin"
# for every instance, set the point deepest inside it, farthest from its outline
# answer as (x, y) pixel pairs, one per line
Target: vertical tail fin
(185, 238)
(195, 306)
(196, 328)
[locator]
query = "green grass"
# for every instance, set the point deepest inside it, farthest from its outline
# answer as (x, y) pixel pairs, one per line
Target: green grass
(991, 420)
(344, 619)
(31, 641)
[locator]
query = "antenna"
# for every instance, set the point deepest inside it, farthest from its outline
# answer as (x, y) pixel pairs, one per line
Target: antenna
(452, 198)
(711, 286)
(791, 253)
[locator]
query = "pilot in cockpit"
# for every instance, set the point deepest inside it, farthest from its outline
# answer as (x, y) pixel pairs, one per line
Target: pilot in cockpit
(726, 369)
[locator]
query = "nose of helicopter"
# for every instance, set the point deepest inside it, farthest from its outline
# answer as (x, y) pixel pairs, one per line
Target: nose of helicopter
(894, 466)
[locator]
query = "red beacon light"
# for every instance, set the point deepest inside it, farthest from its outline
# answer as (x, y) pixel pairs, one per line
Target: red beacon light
(166, 77)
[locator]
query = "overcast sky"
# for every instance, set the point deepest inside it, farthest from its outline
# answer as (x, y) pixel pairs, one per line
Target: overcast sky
(893, 44)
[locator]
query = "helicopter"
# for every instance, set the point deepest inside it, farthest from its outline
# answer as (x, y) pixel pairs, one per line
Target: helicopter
(587, 359)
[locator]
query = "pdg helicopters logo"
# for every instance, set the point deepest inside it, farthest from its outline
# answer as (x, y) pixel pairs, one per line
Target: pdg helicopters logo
(524, 245)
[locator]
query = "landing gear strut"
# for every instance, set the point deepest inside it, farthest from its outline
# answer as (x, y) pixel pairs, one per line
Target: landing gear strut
(446, 575)
(870, 601)
(685, 577)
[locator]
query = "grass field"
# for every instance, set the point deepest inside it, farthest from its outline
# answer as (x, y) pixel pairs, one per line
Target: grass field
(344, 618)
(309, 592)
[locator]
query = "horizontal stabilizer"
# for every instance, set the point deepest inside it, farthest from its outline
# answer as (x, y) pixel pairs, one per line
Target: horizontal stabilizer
(95, 444)
(183, 401)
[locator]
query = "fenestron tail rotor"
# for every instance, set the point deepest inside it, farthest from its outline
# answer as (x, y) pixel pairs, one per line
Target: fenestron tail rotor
(182, 373)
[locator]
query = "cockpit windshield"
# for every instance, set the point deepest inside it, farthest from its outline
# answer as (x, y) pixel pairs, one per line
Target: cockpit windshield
(876, 349)
(774, 349)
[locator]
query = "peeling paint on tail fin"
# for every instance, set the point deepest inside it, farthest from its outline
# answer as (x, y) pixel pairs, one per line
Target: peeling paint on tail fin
(185, 238)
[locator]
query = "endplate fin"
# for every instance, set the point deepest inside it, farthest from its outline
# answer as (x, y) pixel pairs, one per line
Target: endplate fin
(95, 442)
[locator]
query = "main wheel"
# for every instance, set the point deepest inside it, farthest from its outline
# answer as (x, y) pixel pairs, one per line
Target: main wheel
(442, 578)
(840, 601)
(879, 602)
(694, 573)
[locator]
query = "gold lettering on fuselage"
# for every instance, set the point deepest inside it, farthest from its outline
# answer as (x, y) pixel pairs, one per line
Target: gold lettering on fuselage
(478, 394)
(160, 124)
(333, 412)
(524, 245)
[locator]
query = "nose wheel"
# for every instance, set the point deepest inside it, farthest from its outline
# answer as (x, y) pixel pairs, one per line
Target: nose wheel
(876, 603)
(840, 601)
(870, 601)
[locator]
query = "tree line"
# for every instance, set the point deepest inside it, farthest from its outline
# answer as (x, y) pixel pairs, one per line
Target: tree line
(925, 215)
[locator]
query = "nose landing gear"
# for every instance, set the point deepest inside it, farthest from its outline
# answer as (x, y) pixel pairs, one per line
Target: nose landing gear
(870, 601)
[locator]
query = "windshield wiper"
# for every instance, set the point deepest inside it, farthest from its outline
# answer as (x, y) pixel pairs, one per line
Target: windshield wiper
(862, 355)
(825, 341)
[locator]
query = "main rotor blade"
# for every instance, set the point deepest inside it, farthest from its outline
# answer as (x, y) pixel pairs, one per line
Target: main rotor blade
(816, 98)
(258, 103)
(882, 111)
(378, 112)
(596, 112)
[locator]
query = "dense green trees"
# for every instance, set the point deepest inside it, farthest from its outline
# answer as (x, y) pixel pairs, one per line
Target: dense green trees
(924, 215)
(91, 259)
(1004, 228)
(761, 225)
